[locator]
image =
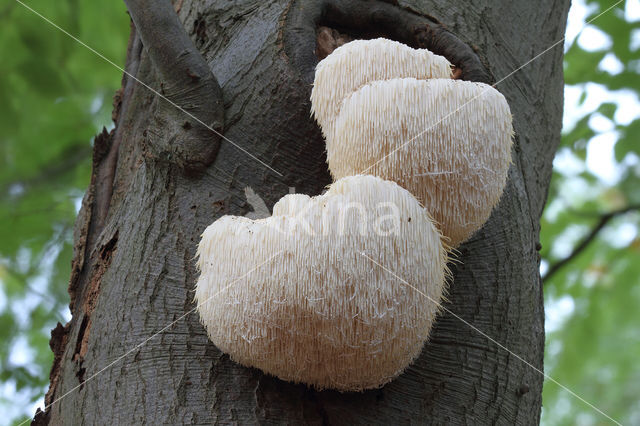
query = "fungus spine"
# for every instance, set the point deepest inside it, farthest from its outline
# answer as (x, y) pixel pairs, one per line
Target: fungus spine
(320, 312)
(359, 62)
(447, 141)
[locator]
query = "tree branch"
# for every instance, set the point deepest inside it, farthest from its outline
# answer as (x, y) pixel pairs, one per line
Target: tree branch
(602, 222)
(186, 80)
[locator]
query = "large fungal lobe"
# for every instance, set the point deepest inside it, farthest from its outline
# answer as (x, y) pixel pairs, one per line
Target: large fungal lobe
(359, 62)
(447, 141)
(294, 296)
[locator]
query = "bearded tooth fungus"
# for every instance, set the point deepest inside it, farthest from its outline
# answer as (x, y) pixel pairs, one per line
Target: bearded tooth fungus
(447, 141)
(395, 112)
(295, 296)
(359, 62)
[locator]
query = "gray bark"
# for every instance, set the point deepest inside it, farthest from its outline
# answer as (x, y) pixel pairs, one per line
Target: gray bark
(133, 270)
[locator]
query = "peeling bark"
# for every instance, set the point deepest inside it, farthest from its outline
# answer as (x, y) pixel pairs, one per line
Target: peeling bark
(262, 55)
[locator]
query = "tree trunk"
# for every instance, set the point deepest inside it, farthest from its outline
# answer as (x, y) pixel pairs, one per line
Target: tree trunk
(151, 197)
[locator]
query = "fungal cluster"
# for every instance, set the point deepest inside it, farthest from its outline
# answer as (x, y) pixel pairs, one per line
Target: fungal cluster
(320, 313)
(341, 290)
(447, 141)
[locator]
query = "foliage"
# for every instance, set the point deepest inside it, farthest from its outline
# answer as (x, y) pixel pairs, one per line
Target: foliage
(54, 97)
(593, 339)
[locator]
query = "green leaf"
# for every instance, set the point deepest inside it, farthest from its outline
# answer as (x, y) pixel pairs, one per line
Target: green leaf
(629, 141)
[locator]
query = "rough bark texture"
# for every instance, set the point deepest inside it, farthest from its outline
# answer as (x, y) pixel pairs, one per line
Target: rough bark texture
(133, 271)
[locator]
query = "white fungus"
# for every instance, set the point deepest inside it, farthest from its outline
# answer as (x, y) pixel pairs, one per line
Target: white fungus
(447, 141)
(294, 296)
(359, 62)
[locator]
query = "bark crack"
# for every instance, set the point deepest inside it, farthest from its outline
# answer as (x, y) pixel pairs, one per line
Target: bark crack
(90, 301)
